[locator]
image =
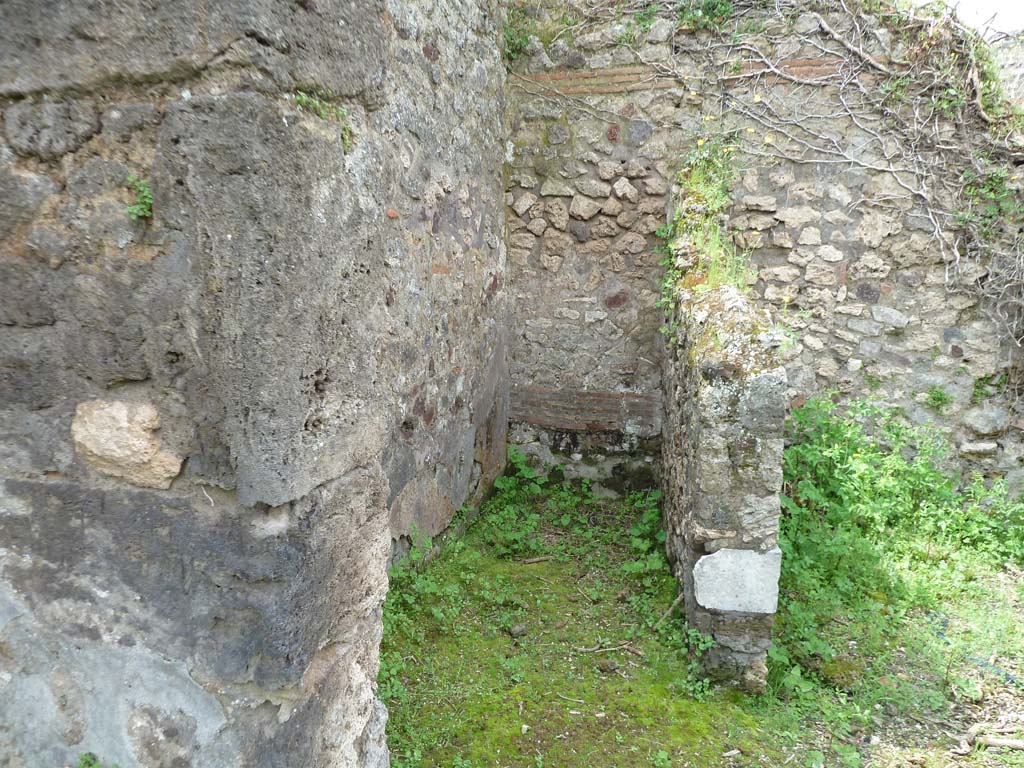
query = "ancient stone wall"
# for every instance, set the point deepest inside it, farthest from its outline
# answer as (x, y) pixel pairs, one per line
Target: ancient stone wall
(588, 178)
(215, 420)
(218, 422)
(845, 254)
(1009, 56)
(725, 405)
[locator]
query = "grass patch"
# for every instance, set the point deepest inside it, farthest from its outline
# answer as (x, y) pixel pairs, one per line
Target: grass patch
(900, 625)
(901, 594)
(490, 661)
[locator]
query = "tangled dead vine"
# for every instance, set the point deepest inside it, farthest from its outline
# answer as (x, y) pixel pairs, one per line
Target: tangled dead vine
(908, 93)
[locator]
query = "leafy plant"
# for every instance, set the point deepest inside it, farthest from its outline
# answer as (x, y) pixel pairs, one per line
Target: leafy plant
(323, 107)
(639, 25)
(516, 34)
(89, 760)
(872, 527)
(700, 255)
(991, 200)
(937, 398)
(989, 386)
(705, 14)
(142, 208)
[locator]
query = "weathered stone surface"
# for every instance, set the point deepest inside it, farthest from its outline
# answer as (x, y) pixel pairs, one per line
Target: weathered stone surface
(21, 195)
(821, 274)
(979, 449)
(625, 191)
(116, 438)
(557, 213)
(987, 420)
(760, 203)
(50, 129)
(593, 187)
(321, 329)
(890, 316)
(739, 580)
(726, 401)
(797, 216)
(583, 208)
(524, 202)
(133, 42)
(553, 187)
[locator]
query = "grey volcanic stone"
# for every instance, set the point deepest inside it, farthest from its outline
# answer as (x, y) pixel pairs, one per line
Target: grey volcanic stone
(987, 420)
(21, 194)
(50, 129)
(337, 45)
(301, 314)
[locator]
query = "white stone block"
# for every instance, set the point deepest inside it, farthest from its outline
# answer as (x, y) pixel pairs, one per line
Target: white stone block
(739, 580)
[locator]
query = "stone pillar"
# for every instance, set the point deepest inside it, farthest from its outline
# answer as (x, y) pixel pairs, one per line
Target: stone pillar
(722, 454)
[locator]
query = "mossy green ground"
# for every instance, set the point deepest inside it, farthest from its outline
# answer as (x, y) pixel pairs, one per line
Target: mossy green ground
(901, 624)
(473, 693)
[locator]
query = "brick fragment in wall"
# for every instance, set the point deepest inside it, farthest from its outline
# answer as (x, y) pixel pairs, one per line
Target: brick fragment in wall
(587, 411)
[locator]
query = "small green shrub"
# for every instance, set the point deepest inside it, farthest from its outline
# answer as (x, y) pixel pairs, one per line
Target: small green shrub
(705, 14)
(639, 25)
(989, 386)
(89, 760)
(991, 200)
(324, 108)
(938, 399)
(873, 528)
(142, 208)
(516, 34)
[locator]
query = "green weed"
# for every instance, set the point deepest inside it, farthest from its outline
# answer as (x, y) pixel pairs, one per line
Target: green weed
(937, 398)
(883, 546)
(516, 34)
(89, 760)
(705, 14)
(478, 640)
(898, 599)
(638, 25)
(323, 107)
(142, 208)
(990, 200)
(989, 386)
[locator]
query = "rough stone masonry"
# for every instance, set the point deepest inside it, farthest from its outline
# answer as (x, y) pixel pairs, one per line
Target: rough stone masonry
(219, 423)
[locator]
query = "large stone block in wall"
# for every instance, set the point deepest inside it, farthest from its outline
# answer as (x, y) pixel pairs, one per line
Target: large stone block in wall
(740, 580)
(116, 438)
(275, 224)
